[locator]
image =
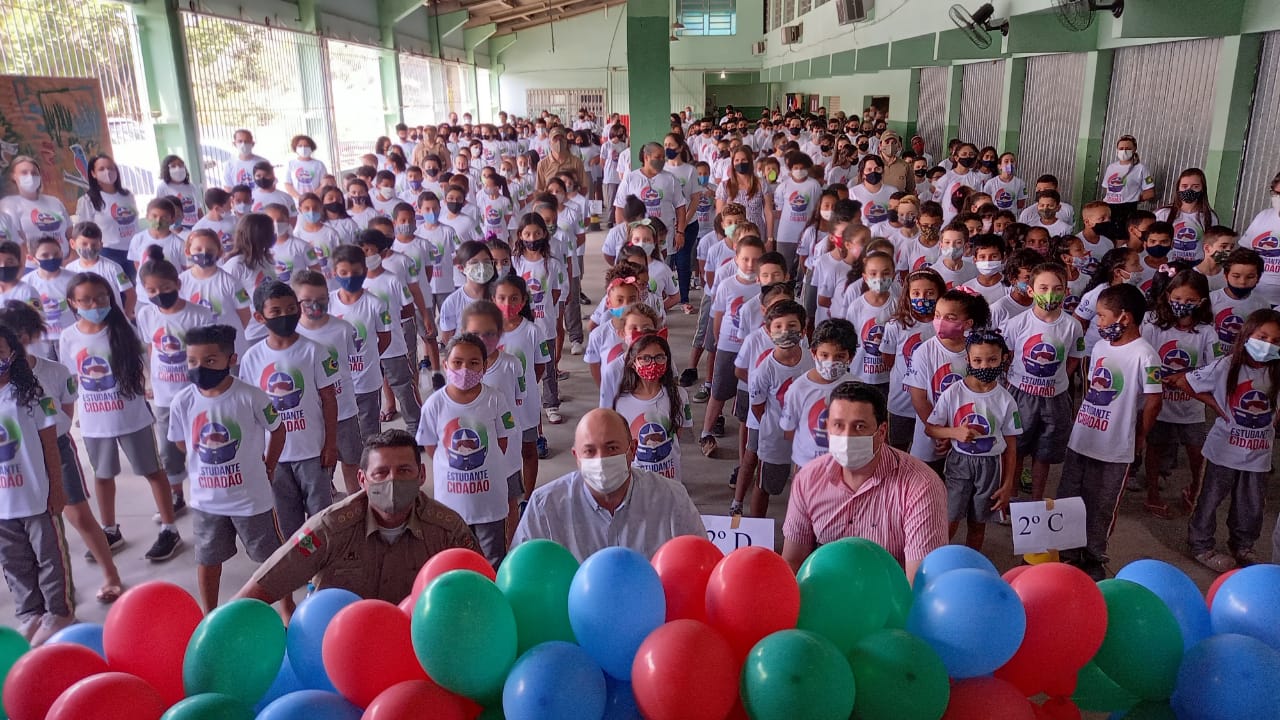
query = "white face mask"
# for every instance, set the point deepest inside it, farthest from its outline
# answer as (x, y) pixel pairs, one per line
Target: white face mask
(385, 192)
(282, 229)
(304, 151)
(177, 174)
(1124, 155)
(245, 147)
(852, 452)
(831, 370)
(989, 267)
(106, 177)
(29, 183)
(799, 174)
(879, 285)
(372, 262)
(605, 474)
(825, 214)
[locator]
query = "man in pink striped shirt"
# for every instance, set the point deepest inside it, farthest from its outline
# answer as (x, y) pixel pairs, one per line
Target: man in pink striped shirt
(864, 488)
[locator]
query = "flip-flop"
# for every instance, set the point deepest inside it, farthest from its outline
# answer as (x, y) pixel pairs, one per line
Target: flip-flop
(388, 415)
(1160, 510)
(108, 594)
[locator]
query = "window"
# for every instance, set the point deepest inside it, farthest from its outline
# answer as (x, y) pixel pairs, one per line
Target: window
(707, 17)
(775, 14)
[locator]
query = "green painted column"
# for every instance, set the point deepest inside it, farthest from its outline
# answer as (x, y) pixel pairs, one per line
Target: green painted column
(318, 118)
(907, 127)
(1093, 116)
(649, 79)
(1015, 77)
(1237, 76)
(955, 91)
(164, 64)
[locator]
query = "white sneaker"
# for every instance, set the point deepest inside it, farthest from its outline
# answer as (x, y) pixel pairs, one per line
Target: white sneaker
(50, 624)
(575, 348)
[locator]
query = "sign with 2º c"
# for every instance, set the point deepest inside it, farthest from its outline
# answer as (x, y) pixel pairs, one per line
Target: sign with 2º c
(1047, 525)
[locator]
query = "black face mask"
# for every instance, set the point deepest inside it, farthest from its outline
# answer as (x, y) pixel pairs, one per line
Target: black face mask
(863, 146)
(166, 300)
(795, 131)
(1240, 292)
(334, 207)
(1109, 229)
(454, 207)
(359, 199)
(283, 325)
(825, 148)
(966, 162)
(433, 171)
(9, 274)
(920, 173)
(873, 177)
(989, 164)
(207, 378)
(264, 183)
(742, 168)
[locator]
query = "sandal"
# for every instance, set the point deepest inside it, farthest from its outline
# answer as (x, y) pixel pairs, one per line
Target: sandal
(708, 445)
(388, 415)
(108, 594)
(1188, 499)
(1158, 509)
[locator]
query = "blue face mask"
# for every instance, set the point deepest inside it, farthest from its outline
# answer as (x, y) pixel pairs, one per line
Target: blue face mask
(97, 316)
(312, 216)
(617, 312)
(351, 283)
(428, 218)
(703, 179)
(50, 265)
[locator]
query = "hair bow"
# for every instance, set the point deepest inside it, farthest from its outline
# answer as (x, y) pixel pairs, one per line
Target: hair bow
(1168, 270)
(621, 281)
(645, 222)
(966, 290)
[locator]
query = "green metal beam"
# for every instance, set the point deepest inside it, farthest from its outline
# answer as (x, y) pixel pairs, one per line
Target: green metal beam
(820, 67)
(873, 59)
(309, 16)
(912, 52)
(397, 10)
(1181, 18)
(801, 70)
(499, 44)
(473, 36)
(1093, 115)
(442, 26)
(1042, 33)
(955, 45)
(390, 12)
(844, 63)
(1015, 77)
(1238, 61)
(164, 65)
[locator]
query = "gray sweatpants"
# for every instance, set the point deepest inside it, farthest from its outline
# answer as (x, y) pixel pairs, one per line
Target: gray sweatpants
(571, 310)
(173, 459)
(409, 328)
(33, 551)
(1244, 519)
(301, 488)
(367, 406)
(1100, 485)
(403, 380)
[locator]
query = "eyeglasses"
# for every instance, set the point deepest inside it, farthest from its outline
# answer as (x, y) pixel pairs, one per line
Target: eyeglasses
(651, 359)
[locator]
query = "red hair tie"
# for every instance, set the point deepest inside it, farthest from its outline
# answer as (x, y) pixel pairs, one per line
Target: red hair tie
(966, 290)
(621, 281)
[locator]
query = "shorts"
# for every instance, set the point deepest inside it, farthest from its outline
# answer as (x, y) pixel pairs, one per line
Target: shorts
(367, 407)
(753, 439)
(902, 430)
(529, 435)
(172, 459)
(724, 383)
(1164, 434)
(72, 479)
(139, 446)
(774, 476)
(741, 405)
(702, 336)
(1046, 425)
(216, 536)
(492, 537)
(971, 482)
(349, 441)
(515, 486)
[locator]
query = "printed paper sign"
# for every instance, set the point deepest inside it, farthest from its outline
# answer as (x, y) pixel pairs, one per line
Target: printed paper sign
(748, 532)
(1042, 526)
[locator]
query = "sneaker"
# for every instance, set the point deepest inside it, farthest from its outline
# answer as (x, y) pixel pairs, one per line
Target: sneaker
(543, 451)
(575, 348)
(733, 478)
(1024, 482)
(1216, 561)
(735, 508)
(688, 377)
(718, 428)
(708, 445)
(115, 541)
(167, 544)
(553, 415)
(703, 394)
(179, 507)
(1245, 557)
(562, 376)
(30, 628)
(50, 624)
(583, 299)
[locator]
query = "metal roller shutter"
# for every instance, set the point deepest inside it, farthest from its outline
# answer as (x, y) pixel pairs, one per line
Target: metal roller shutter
(1262, 150)
(931, 115)
(1051, 119)
(982, 87)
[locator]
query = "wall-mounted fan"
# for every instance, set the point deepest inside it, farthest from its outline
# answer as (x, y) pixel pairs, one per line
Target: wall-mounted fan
(978, 26)
(1077, 15)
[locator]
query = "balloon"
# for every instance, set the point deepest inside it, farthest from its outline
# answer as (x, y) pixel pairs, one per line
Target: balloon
(900, 595)
(86, 634)
(947, 558)
(38, 677)
(108, 696)
(615, 601)
(796, 674)
(1179, 594)
(1066, 622)
(552, 681)
(620, 700)
(971, 618)
(407, 700)
(535, 577)
(367, 649)
(1248, 603)
(12, 647)
(473, 663)
(1147, 711)
(1229, 676)
(685, 670)
(899, 677)
(1095, 692)
(406, 605)
(844, 593)
(236, 651)
(286, 682)
(684, 564)
(146, 634)
(987, 698)
(1058, 708)
(310, 705)
(451, 559)
(1143, 646)
(305, 635)
(752, 593)
(1014, 572)
(1213, 589)
(209, 706)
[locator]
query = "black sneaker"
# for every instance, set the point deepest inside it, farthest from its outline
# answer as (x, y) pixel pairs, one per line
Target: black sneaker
(543, 451)
(688, 377)
(115, 541)
(733, 481)
(718, 428)
(583, 299)
(166, 546)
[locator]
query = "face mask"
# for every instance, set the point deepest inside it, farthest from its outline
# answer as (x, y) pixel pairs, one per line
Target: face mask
(1220, 257)
(799, 174)
(282, 229)
(429, 218)
(1111, 332)
(263, 183)
(653, 372)
(108, 177)
(392, 497)
(605, 474)
(245, 147)
(312, 216)
(351, 283)
(316, 309)
(97, 316)
(966, 162)
(951, 253)
(1007, 168)
(703, 180)
(1240, 292)
(742, 168)
(831, 370)
(166, 300)
(786, 339)
(432, 171)
(1023, 287)
(89, 254)
(405, 229)
(1124, 155)
(415, 185)
(879, 285)
(948, 329)
(360, 200)
(920, 174)
(1049, 301)
(479, 273)
(454, 207)
(1047, 213)
(283, 325)
(9, 274)
(1158, 251)
(512, 311)
(372, 262)
(616, 313)
(385, 192)
(923, 306)
(671, 154)
(50, 265)
(1182, 309)
(29, 183)
(5, 364)
(825, 148)
(852, 452)
(304, 152)
(1261, 350)
(873, 178)
(747, 277)
(655, 163)
(730, 229)
(795, 131)
(770, 175)
(988, 267)
(463, 378)
(1082, 263)
(1189, 196)
(207, 378)
(825, 214)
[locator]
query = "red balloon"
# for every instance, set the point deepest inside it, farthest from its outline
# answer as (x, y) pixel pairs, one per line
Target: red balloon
(406, 605)
(451, 559)
(750, 594)
(367, 649)
(685, 670)
(684, 564)
(109, 696)
(410, 699)
(1059, 708)
(1213, 589)
(987, 698)
(1066, 622)
(1014, 572)
(146, 634)
(37, 679)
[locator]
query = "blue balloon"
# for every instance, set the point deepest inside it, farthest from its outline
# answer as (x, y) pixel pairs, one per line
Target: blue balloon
(310, 705)
(975, 622)
(621, 701)
(1248, 603)
(286, 682)
(615, 601)
(305, 635)
(1227, 677)
(1178, 592)
(948, 558)
(554, 680)
(86, 634)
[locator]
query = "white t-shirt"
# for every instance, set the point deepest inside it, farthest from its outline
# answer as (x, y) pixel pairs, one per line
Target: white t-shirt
(768, 384)
(107, 270)
(1229, 314)
(495, 212)
(731, 293)
(869, 320)
(337, 338)
(1244, 442)
(240, 171)
(394, 296)
(828, 272)
(441, 244)
(1125, 183)
(514, 396)
(968, 271)
(226, 438)
(661, 195)
(614, 240)
(103, 411)
(525, 345)
(654, 430)
(1263, 235)
(543, 278)
(188, 194)
(118, 218)
(53, 298)
(225, 229)
(322, 243)
(804, 412)
(1087, 311)
(934, 368)
(305, 175)
(166, 336)
(24, 480)
(1006, 195)
(171, 245)
(1181, 350)
(913, 255)
(222, 294)
(46, 215)
(991, 293)
(367, 316)
(292, 255)
(451, 310)
(263, 198)
(1107, 423)
(1041, 350)
(1005, 309)
(875, 204)
(1030, 215)
(993, 411)
(59, 384)
(1188, 234)
(293, 378)
(604, 345)
(796, 203)
(468, 467)
(901, 342)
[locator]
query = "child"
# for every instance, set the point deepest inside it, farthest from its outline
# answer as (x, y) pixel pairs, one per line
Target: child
(869, 312)
(1118, 267)
(1241, 390)
(299, 376)
(32, 546)
(219, 218)
(544, 275)
(463, 224)
(983, 423)
(804, 402)
(638, 320)
(232, 436)
(604, 344)
(1096, 217)
(158, 231)
(409, 273)
(86, 240)
(714, 250)
(1157, 241)
(399, 374)
(1180, 328)
(910, 325)
(633, 211)
(241, 201)
(922, 250)
(289, 254)
(206, 284)
(371, 323)
(796, 200)
(441, 243)
(1017, 275)
(1121, 404)
(951, 264)
(314, 231)
(250, 259)
(1219, 241)
(1236, 300)
(661, 280)
(1079, 265)
(336, 216)
(358, 203)
(1047, 344)
(494, 202)
(383, 192)
(940, 361)
(164, 323)
(988, 262)
(521, 339)
(655, 408)
(1007, 190)
(477, 265)
(411, 253)
(846, 242)
(104, 352)
(756, 347)
(465, 430)
(265, 192)
(730, 294)
(1189, 215)
(50, 281)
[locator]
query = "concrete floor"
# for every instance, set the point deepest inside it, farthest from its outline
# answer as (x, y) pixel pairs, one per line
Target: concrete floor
(1137, 534)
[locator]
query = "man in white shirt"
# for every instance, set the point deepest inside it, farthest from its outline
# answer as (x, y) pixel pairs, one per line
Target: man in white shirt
(659, 190)
(606, 501)
(240, 170)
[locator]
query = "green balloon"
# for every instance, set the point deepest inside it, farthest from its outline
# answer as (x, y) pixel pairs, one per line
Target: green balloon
(464, 634)
(844, 593)
(1095, 692)
(535, 578)
(235, 651)
(794, 674)
(1151, 711)
(1143, 645)
(209, 706)
(900, 595)
(12, 647)
(899, 677)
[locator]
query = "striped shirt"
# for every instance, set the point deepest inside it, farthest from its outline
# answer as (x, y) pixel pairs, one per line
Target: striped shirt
(902, 506)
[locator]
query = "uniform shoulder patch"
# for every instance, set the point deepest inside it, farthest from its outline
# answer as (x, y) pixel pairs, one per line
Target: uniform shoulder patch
(307, 542)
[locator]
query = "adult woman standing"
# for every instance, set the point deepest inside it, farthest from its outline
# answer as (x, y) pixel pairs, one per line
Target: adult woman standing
(678, 156)
(744, 188)
(32, 214)
(1190, 215)
(1263, 235)
(113, 208)
(175, 181)
(1126, 182)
